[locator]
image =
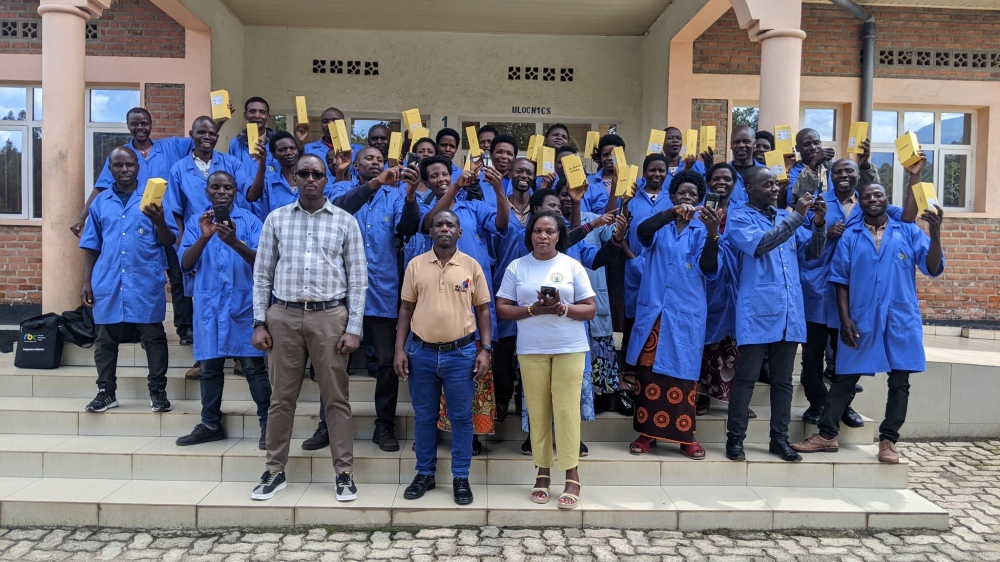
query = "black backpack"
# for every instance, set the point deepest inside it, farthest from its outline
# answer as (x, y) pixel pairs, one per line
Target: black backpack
(40, 345)
(77, 327)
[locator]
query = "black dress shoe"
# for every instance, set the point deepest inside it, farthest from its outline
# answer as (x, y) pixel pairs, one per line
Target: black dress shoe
(421, 483)
(526, 446)
(385, 436)
(734, 449)
(852, 418)
(202, 434)
(501, 412)
(186, 336)
(463, 492)
(320, 439)
(858, 389)
(782, 449)
(813, 414)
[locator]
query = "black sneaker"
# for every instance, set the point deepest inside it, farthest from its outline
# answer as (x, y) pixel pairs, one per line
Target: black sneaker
(201, 434)
(158, 401)
(262, 443)
(385, 436)
(319, 440)
(346, 490)
(270, 483)
(102, 401)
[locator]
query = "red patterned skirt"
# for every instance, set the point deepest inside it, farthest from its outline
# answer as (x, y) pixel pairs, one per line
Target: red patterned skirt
(664, 406)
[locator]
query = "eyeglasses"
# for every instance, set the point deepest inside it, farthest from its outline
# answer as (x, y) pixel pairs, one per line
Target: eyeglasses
(306, 174)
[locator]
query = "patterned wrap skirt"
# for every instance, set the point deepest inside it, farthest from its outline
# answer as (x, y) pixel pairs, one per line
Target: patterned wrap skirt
(664, 406)
(484, 406)
(718, 369)
(604, 365)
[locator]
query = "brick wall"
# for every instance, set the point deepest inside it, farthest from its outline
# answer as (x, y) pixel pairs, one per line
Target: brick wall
(129, 28)
(165, 102)
(20, 264)
(833, 43)
(969, 289)
(708, 112)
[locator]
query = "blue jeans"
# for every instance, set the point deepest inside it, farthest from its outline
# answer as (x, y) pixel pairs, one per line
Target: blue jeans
(430, 370)
(212, 380)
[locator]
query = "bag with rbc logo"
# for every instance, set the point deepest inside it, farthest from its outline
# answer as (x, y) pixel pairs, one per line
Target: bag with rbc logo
(41, 343)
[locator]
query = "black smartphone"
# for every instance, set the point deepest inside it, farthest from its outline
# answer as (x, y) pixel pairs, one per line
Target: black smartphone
(487, 161)
(222, 214)
(712, 200)
(548, 292)
(413, 159)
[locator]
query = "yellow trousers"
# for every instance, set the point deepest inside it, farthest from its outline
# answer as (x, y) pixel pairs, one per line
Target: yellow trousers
(552, 385)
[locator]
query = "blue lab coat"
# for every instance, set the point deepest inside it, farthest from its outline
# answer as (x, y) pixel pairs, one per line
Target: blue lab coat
(162, 156)
(185, 195)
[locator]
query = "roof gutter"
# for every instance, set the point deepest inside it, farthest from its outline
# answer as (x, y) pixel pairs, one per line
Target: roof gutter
(867, 54)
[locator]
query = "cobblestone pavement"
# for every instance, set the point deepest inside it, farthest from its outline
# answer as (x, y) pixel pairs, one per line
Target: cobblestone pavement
(964, 478)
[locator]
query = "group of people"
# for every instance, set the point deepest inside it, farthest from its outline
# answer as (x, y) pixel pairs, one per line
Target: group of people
(495, 284)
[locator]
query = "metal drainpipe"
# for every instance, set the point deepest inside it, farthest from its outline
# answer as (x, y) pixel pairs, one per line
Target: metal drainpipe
(867, 53)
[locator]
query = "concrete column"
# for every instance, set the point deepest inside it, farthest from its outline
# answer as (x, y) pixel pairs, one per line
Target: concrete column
(776, 24)
(63, 154)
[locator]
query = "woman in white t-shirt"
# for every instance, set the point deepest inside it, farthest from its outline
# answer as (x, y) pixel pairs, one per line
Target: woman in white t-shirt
(549, 295)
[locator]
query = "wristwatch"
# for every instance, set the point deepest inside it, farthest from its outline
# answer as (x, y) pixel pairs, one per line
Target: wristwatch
(487, 348)
(564, 312)
(257, 323)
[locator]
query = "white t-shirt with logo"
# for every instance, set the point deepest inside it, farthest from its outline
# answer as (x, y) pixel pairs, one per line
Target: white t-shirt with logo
(547, 334)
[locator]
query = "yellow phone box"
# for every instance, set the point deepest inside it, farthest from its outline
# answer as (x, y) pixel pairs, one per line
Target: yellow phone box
(253, 137)
(300, 110)
(395, 147)
(467, 166)
(907, 149)
(690, 143)
(411, 120)
(783, 142)
(573, 170)
(656, 139)
(775, 160)
(859, 132)
(473, 138)
(419, 132)
(153, 194)
(338, 136)
(626, 182)
(926, 195)
(535, 145)
(706, 134)
(546, 161)
(621, 165)
(531, 147)
(220, 105)
(593, 139)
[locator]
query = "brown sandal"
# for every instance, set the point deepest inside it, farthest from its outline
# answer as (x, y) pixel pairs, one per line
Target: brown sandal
(641, 445)
(693, 450)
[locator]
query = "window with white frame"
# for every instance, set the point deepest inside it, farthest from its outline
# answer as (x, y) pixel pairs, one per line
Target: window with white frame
(945, 135)
(105, 116)
(825, 121)
(20, 152)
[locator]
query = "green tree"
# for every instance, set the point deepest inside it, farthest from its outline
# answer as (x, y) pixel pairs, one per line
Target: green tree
(749, 116)
(10, 178)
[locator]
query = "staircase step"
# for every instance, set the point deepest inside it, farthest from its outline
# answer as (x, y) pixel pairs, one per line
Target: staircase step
(67, 416)
(133, 503)
(235, 459)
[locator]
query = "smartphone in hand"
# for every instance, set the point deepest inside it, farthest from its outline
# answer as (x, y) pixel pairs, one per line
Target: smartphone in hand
(548, 292)
(712, 200)
(222, 215)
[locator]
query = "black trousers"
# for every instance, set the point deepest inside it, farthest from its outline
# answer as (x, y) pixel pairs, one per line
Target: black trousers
(183, 307)
(782, 360)
(154, 341)
(813, 355)
(383, 334)
(842, 392)
(504, 373)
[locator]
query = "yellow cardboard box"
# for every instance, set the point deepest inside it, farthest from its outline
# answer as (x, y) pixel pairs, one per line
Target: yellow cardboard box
(547, 161)
(300, 110)
(706, 135)
(926, 195)
(621, 165)
(411, 119)
(907, 148)
(419, 132)
(473, 138)
(573, 170)
(626, 183)
(783, 140)
(153, 194)
(395, 147)
(338, 136)
(776, 162)
(656, 139)
(253, 137)
(859, 132)
(690, 143)
(593, 138)
(220, 105)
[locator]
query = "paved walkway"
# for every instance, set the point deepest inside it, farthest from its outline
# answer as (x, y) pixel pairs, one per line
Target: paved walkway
(963, 478)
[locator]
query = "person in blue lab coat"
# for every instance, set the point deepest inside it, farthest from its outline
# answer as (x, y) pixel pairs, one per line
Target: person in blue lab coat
(256, 111)
(222, 253)
(485, 136)
(503, 152)
(600, 184)
(123, 280)
(682, 254)
(322, 146)
(762, 144)
(385, 213)
(448, 140)
(378, 137)
(672, 144)
(815, 160)
(273, 188)
(769, 316)
(742, 146)
(880, 325)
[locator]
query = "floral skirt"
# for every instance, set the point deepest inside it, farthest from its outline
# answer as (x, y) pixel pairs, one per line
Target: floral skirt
(664, 405)
(484, 406)
(604, 365)
(718, 369)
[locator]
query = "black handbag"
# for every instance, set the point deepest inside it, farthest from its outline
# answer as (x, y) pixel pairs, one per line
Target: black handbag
(77, 327)
(41, 343)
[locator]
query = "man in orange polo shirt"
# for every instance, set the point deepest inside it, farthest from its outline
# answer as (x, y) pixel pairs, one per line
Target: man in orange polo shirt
(440, 290)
